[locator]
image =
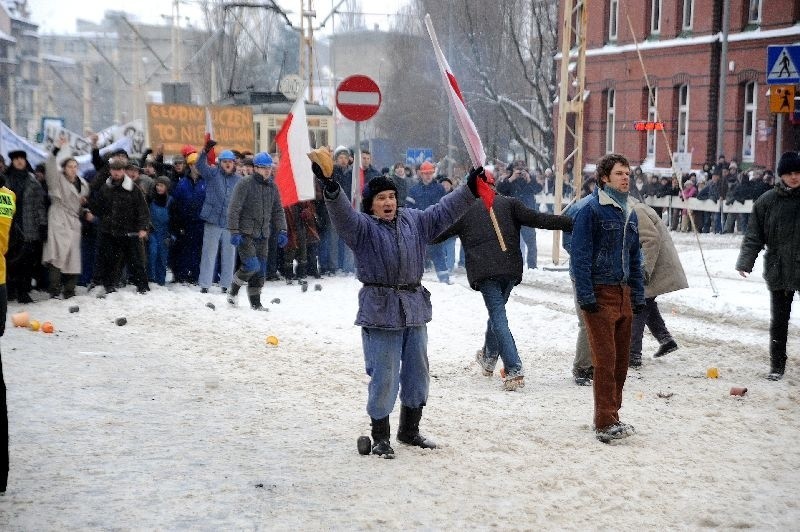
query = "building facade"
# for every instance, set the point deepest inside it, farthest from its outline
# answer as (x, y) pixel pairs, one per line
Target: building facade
(681, 44)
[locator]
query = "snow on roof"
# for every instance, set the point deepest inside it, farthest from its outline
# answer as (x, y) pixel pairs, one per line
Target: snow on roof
(691, 41)
(48, 58)
(6, 37)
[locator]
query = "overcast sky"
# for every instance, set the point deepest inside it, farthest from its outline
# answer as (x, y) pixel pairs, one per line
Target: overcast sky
(58, 16)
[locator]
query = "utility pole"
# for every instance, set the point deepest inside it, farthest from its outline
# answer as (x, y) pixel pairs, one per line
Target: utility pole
(573, 30)
(176, 41)
(307, 45)
(723, 76)
(87, 97)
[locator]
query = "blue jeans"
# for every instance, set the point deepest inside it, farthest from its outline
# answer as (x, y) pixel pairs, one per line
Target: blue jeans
(395, 359)
(528, 240)
(157, 256)
(438, 256)
(499, 341)
(215, 237)
(449, 246)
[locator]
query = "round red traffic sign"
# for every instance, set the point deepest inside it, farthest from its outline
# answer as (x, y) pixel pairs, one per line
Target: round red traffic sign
(358, 98)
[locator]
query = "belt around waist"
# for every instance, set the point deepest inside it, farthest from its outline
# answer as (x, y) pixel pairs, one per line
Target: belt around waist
(405, 287)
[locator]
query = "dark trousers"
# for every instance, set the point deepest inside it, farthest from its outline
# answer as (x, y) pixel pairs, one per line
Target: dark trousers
(781, 307)
(650, 316)
(19, 269)
(4, 408)
(117, 250)
(609, 332)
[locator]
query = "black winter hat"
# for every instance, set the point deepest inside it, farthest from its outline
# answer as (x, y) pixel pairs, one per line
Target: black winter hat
(376, 185)
(790, 162)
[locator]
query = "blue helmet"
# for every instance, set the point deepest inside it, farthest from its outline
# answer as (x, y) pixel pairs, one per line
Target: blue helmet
(227, 155)
(262, 159)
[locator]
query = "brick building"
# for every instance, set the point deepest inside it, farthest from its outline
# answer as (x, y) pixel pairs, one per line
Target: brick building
(681, 44)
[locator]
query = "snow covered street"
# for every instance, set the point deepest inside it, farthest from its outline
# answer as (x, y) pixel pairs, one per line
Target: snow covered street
(186, 419)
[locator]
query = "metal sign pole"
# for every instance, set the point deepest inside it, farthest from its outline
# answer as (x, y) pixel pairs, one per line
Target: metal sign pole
(356, 195)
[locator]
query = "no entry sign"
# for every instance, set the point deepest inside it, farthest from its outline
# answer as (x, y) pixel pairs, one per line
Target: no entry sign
(358, 98)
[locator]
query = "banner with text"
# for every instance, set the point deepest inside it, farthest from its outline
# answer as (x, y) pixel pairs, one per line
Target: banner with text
(175, 125)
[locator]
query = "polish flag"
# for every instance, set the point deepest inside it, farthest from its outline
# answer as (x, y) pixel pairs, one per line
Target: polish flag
(294, 178)
(212, 155)
(469, 133)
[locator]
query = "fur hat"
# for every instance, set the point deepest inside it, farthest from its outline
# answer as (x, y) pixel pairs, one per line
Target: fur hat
(789, 162)
(17, 153)
(341, 149)
(375, 186)
(117, 164)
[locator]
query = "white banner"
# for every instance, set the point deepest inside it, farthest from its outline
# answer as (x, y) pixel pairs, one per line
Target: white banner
(10, 141)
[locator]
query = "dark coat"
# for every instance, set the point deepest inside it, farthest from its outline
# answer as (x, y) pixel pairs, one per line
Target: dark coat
(122, 208)
(484, 258)
(774, 223)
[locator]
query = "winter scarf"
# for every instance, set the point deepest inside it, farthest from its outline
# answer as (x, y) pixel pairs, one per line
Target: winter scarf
(620, 198)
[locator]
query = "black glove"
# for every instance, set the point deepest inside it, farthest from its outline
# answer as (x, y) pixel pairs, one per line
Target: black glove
(472, 180)
(43, 233)
(637, 309)
(591, 308)
(210, 143)
(328, 183)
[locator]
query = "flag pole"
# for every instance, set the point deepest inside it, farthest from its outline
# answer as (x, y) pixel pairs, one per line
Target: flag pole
(475, 149)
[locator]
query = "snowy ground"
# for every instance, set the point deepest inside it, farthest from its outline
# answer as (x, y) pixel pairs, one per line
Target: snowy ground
(185, 419)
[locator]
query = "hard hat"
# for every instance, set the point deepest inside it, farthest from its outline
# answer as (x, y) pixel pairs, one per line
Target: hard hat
(227, 155)
(262, 159)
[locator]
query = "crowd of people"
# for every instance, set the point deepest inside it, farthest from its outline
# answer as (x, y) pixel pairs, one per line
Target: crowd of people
(217, 220)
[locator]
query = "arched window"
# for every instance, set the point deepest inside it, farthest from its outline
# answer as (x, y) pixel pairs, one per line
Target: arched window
(610, 119)
(652, 116)
(683, 118)
(749, 121)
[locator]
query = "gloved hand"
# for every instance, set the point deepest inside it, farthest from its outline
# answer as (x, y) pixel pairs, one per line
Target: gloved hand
(283, 239)
(637, 309)
(236, 239)
(210, 143)
(472, 180)
(591, 308)
(328, 183)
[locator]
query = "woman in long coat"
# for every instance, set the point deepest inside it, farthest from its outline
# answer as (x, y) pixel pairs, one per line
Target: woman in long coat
(62, 251)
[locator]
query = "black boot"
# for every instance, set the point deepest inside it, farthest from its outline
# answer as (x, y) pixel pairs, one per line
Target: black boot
(380, 436)
(408, 432)
(233, 293)
(255, 302)
(777, 365)
(70, 282)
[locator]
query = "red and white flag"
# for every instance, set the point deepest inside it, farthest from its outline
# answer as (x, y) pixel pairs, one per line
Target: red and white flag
(212, 154)
(469, 133)
(294, 178)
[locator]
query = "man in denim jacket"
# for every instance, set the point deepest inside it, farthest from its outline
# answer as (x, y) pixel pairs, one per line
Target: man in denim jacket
(606, 267)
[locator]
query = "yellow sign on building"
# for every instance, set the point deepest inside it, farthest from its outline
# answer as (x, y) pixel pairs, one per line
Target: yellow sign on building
(781, 99)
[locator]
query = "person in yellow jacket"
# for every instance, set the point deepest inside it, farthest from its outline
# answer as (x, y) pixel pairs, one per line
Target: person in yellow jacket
(8, 205)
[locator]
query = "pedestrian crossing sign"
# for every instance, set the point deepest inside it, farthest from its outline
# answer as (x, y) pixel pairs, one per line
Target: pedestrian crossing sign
(782, 64)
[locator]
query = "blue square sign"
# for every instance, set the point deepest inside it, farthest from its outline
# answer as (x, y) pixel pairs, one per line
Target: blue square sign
(417, 156)
(782, 64)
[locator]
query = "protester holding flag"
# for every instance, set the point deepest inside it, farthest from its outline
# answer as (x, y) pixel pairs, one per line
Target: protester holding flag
(494, 273)
(255, 211)
(389, 245)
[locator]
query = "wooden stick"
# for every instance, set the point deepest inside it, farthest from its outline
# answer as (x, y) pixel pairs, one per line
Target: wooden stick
(497, 229)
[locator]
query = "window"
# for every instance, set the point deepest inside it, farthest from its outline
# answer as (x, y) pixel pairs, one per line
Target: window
(688, 11)
(754, 13)
(652, 116)
(655, 17)
(610, 119)
(613, 13)
(749, 125)
(683, 118)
